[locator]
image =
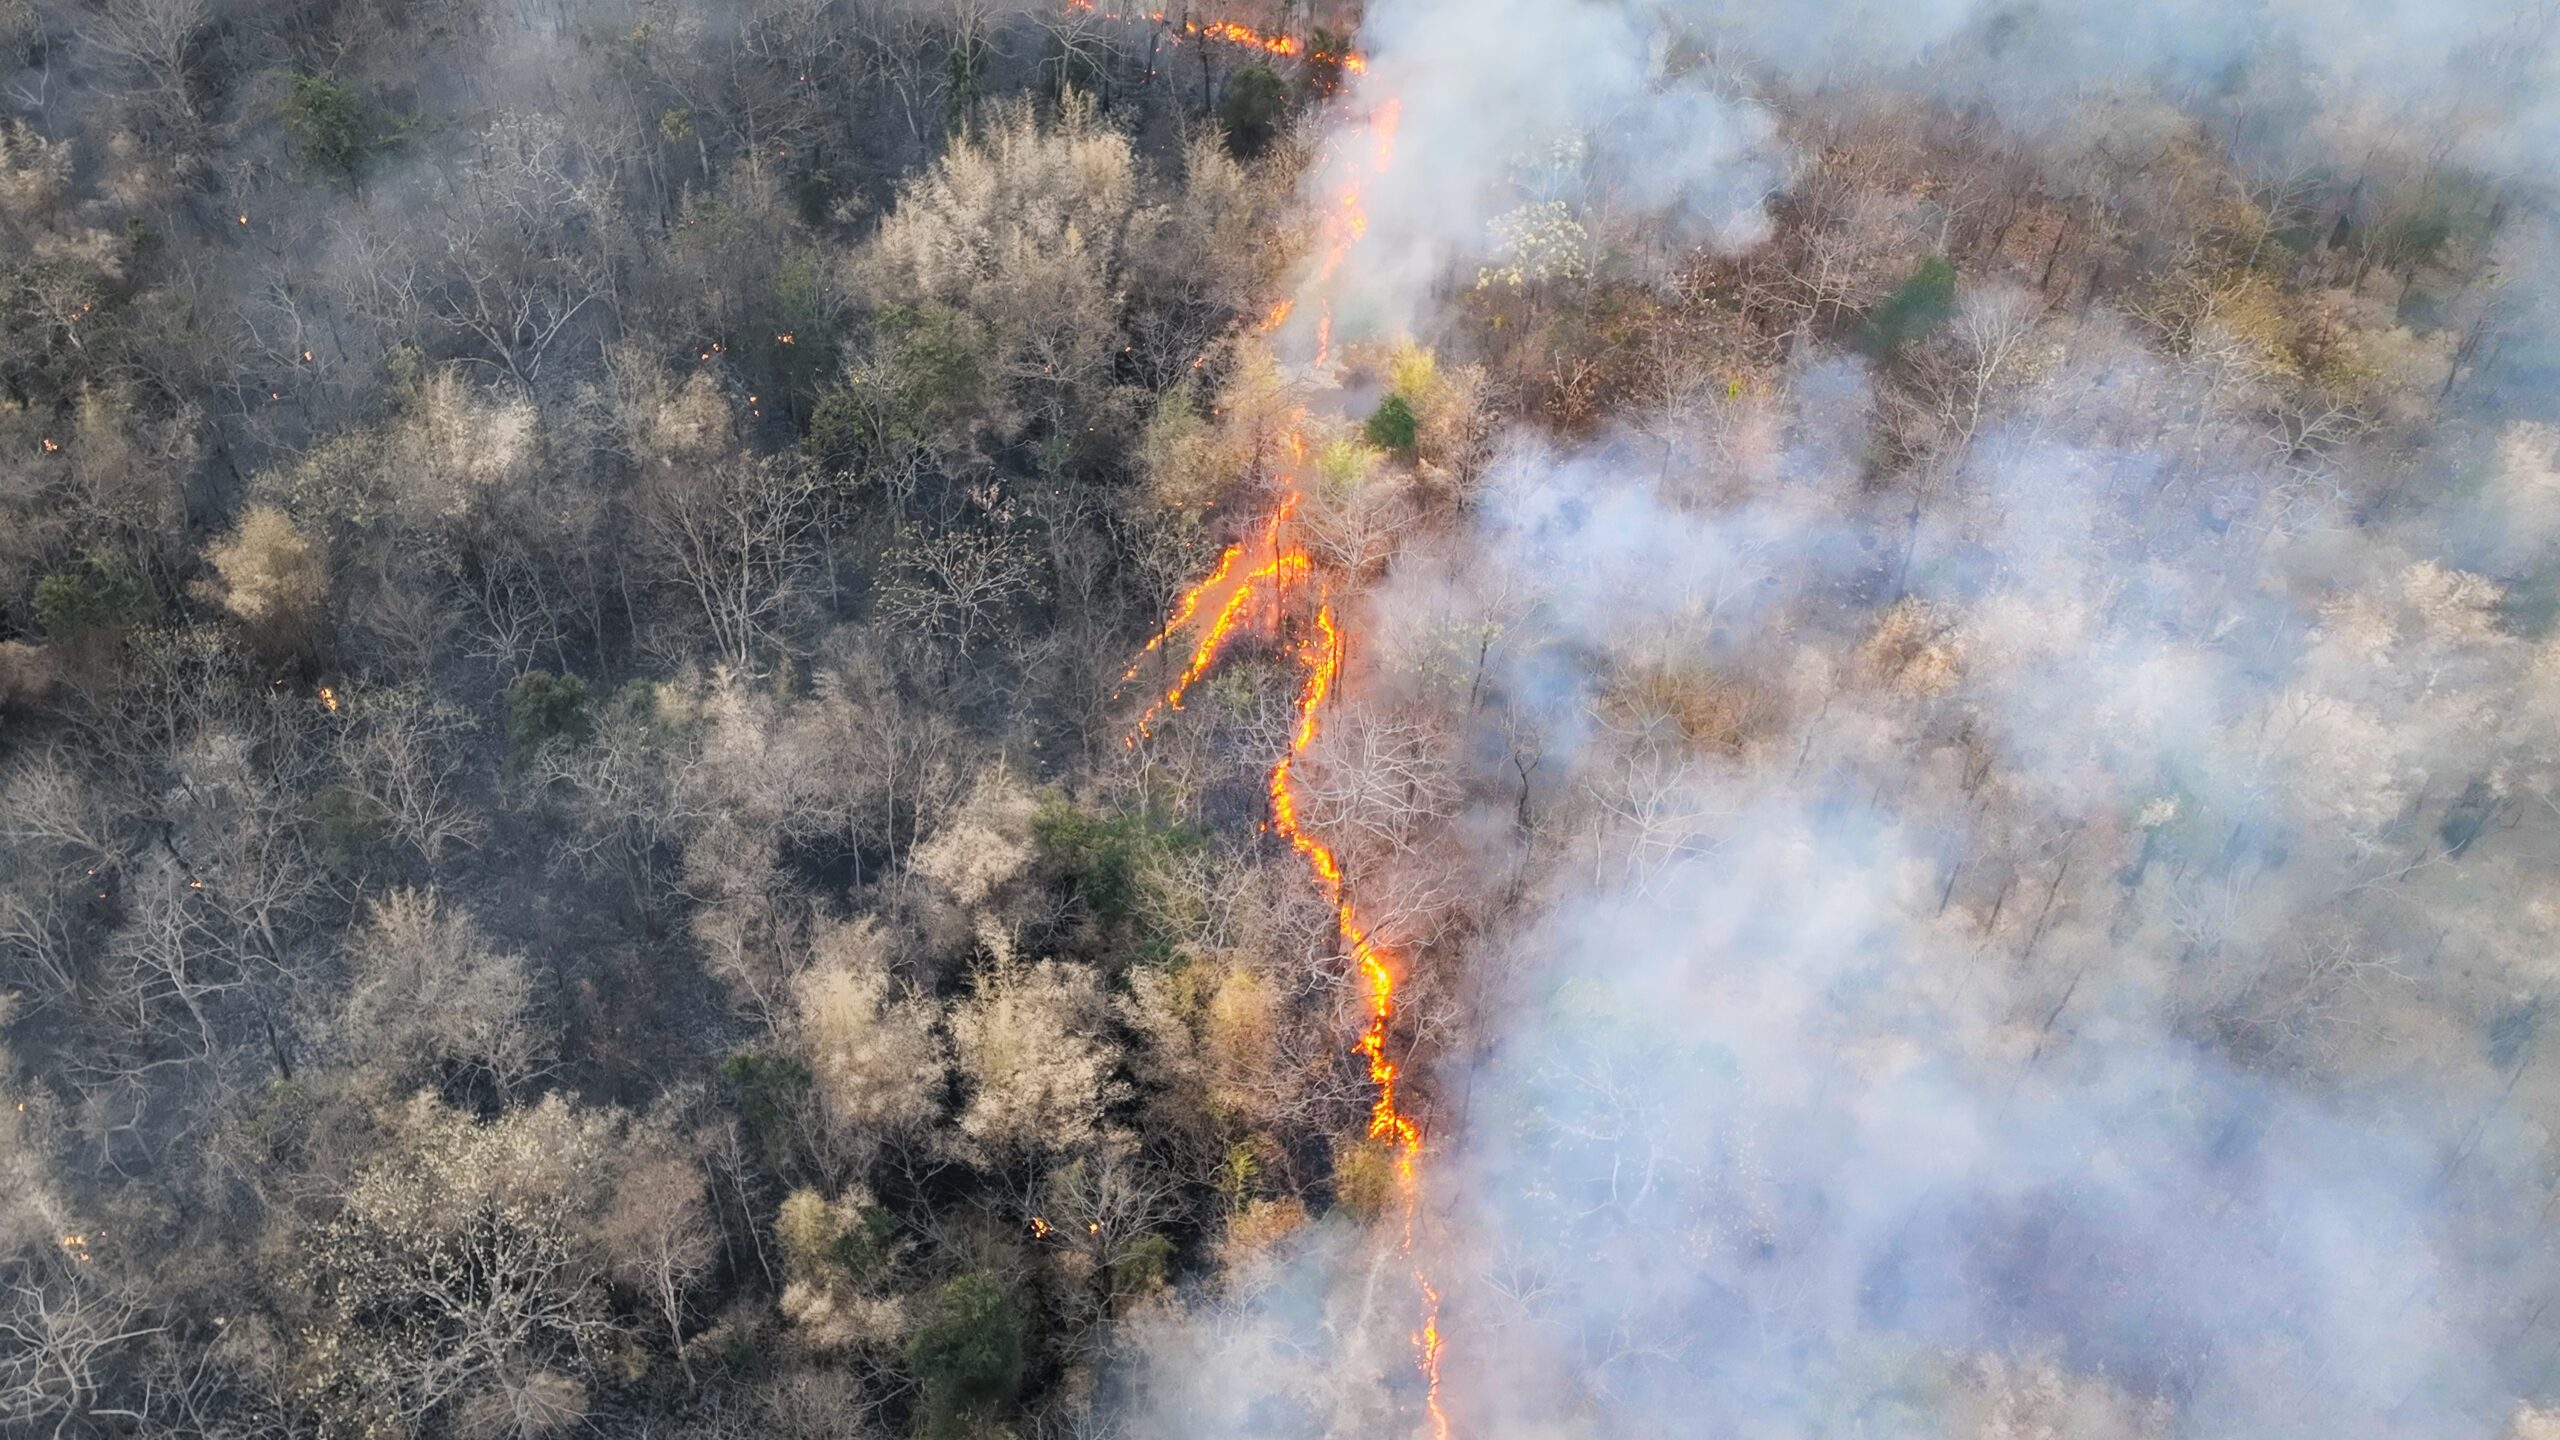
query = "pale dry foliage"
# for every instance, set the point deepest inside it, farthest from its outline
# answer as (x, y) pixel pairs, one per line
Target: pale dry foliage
(1184, 459)
(74, 260)
(272, 574)
(2452, 607)
(26, 673)
(455, 445)
(509, 1202)
(2520, 499)
(660, 1235)
(2004, 1398)
(986, 845)
(1258, 1230)
(1218, 1050)
(524, 1406)
(1536, 243)
(831, 1308)
(1026, 228)
(430, 992)
(876, 1059)
(1011, 208)
(1915, 651)
(34, 171)
(653, 417)
(1033, 1046)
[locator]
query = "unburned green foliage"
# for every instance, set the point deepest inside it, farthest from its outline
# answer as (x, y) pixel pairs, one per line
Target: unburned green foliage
(1394, 428)
(1919, 305)
(102, 596)
(336, 132)
(926, 386)
(346, 823)
(1104, 860)
(967, 1355)
(771, 1090)
(543, 707)
(1255, 105)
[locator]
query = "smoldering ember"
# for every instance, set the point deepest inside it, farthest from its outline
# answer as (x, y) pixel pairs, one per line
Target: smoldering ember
(1436, 719)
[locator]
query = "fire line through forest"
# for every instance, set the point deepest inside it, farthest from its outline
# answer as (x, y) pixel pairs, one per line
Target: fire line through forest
(1230, 599)
(1285, 47)
(1265, 567)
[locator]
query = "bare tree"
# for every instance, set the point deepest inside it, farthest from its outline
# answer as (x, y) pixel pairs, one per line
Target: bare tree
(432, 996)
(1033, 1047)
(404, 753)
(954, 588)
(625, 809)
(660, 1237)
(151, 40)
(1376, 778)
(515, 263)
(736, 540)
(875, 1053)
(60, 1334)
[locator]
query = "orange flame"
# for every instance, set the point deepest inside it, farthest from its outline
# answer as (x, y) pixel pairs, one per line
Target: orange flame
(1229, 597)
(1184, 608)
(1319, 656)
(1236, 595)
(1286, 47)
(1346, 220)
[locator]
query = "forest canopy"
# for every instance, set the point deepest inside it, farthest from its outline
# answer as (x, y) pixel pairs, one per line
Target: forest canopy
(844, 718)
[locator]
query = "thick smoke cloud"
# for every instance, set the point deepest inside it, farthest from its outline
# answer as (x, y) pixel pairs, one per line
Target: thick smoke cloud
(2090, 1007)
(1494, 116)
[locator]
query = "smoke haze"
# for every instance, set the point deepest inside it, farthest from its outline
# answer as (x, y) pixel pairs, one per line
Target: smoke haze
(2093, 988)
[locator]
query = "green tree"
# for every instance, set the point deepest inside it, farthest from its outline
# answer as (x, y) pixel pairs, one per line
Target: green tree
(968, 1353)
(1394, 427)
(1106, 860)
(1256, 102)
(335, 130)
(927, 386)
(101, 597)
(1917, 306)
(542, 707)
(772, 1092)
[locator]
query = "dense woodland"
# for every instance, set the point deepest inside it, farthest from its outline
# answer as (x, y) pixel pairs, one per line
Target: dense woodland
(568, 862)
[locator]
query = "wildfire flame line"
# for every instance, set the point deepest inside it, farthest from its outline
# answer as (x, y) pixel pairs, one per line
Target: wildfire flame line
(1183, 610)
(1319, 657)
(1287, 47)
(1229, 597)
(1229, 617)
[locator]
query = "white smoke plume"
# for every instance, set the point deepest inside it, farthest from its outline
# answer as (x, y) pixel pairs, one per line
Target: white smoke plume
(1481, 128)
(2067, 956)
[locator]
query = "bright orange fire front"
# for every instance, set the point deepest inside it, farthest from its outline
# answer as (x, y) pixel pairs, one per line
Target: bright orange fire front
(1287, 47)
(1319, 657)
(1250, 573)
(1233, 602)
